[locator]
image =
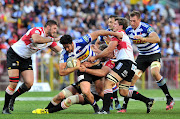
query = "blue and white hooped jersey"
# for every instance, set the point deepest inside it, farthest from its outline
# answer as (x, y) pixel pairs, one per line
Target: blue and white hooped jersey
(102, 38)
(145, 48)
(82, 50)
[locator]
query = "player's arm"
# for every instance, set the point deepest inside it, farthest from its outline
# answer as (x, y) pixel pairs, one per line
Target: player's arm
(57, 49)
(97, 72)
(65, 71)
(95, 34)
(98, 42)
(105, 53)
(39, 39)
(152, 38)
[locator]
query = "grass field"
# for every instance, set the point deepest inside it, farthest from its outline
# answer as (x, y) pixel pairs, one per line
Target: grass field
(136, 109)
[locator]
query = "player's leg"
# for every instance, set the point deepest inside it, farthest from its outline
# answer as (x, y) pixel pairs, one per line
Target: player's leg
(137, 75)
(111, 79)
(115, 96)
(26, 86)
(65, 93)
(124, 91)
(155, 71)
(13, 66)
(14, 79)
(85, 88)
(65, 104)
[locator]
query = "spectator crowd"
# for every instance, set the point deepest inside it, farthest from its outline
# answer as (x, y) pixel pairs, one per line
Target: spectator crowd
(78, 17)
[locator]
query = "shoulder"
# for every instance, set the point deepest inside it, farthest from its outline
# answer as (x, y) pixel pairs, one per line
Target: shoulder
(145, 25)
(38, 30)
(129, 28)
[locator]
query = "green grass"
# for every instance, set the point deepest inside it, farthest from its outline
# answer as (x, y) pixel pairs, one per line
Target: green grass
(136, 109)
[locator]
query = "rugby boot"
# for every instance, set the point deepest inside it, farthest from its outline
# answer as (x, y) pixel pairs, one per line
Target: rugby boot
(117, 106)
(11, 104)
(6, 111)
(122, 110)
(170, 103)
(149, 105)
(40, 111)
(103, 112)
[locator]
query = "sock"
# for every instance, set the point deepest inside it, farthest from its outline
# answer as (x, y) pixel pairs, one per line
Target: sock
(7, 99)
(162, 84)
(55, 108)
(51, 104)
(137, 96)
(8, 94)
(108, 96)
(126, 99)
(22, 89)
(125, 103)
(115, 97)
(95, 106)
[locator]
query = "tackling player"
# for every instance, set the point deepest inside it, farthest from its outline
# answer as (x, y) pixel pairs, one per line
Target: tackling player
(106, 39)
(19, 60)
(124, 68)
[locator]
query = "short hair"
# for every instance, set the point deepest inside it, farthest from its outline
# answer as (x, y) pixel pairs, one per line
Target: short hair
(103, 46)
(50, 23)
(135, 13)
(122, 21)
(113, 16)
(66, 39)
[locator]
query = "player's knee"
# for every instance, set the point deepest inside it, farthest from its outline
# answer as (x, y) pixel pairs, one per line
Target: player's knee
(123, 90)
(86, 92)
(123, 93)
(72, 100)
(66, 93)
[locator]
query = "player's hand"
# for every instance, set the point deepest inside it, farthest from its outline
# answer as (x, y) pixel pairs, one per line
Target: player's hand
(95, 49)
(82, 68)
(92, 59)
(78, 64)
(56, 39)
(138, 37)
(119, 35)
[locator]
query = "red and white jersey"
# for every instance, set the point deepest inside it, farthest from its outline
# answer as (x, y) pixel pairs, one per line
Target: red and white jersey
(124, 50)
(25, 47)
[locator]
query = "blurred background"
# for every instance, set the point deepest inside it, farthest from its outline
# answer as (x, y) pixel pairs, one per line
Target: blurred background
(78, 17)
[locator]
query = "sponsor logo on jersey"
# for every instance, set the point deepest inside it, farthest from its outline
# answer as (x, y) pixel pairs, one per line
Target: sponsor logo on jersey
(137, 41)
(84, 56)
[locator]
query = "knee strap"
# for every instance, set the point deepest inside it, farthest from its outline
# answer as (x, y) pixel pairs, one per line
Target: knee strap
(156, 64)
(112, 78)
(14, 79)
(138, 72)
(124, 86)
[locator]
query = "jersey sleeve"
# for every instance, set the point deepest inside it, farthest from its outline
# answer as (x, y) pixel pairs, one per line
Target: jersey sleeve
(63, 57)
(53, 44)
(84, 40)
(36, 30)
(114, 39)
(150, 30)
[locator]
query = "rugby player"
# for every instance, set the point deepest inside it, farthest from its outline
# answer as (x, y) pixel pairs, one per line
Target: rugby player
(123, 70)
(146, 39)
(106, 40)
(81, 50)
(19, 60)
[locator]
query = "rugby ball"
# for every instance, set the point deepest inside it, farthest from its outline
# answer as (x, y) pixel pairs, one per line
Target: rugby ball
(71, 62)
